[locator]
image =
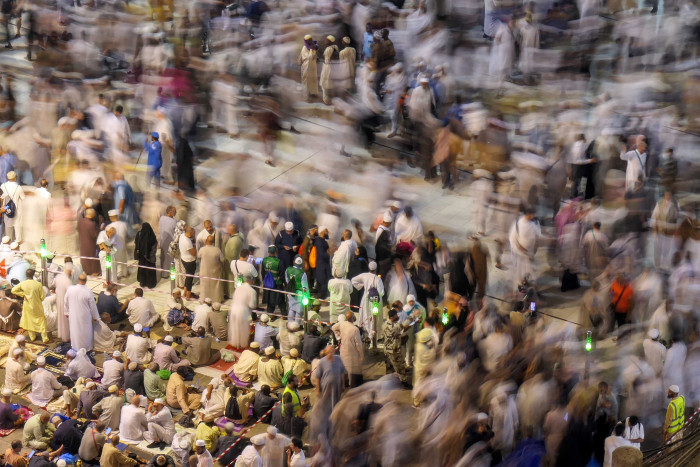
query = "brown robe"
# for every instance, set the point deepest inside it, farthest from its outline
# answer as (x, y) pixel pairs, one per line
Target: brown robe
(87, 237)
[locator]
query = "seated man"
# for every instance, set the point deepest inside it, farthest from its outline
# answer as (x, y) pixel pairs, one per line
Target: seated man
(224, 442)
(113, 371)
(270, 369)
(153, 384)
(38, 431)
(263, 402)
(21, 343)
(246, 368)
(113, 457)
(179, 395)
(109, 409)
(88, 399)
(104, 338)
(8, 418)
(78, 365)
(92, 443)
(133, 422)
(138, 346)
(107, 302)
(198, 349)
(174, 301)
(161, 427)
(45, 386)
(71, 397)
(166, 357)
(217, 321)
(264, 333)
(214, 398)
(209, 432)
(201, 315)
(133, 379)
(313, 344)
(67, 434)
(161, 460)
(140, 310)
(15, 378)
(14, 456)
(238, 413)
(290, 336)
(296, 365)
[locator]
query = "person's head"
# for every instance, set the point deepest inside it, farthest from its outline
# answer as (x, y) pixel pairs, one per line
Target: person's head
(170, 211)
(329, 351)
(41, 361)
(16, 446)
(189, 233)
(209, 241)
(200, 446)
(232, 229)
(6, 395)
(118, 110)
(298, 261)
(12, 176)
(653, 334)
(673, 391)
(30, 273)
(168, 340)
(112, 288)
(619, 429)
(369, 28)
(100, 426)
(182, 372)
(350, 317)
(293, 382)
(634, 420)
(21, 340)
(161, 460)
(313, 330)
(136, 400)
(641, 145)
(44, 418)
(596, 225)
(529, 214)
(259, 443)
(424, 83)
(201, 332)
(153, 367)
(271, 432)
(114, 440)
(265, 389)
(296, 445)
(111, 232)
(385, 33)
(138, 328)
(71, 354)
(138, 292)
(393, 315)
(208, 226)
(244, 254)
(603, 387)
(44, 183)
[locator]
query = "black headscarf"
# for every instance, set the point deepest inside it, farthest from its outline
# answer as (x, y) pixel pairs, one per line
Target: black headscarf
(145, 239)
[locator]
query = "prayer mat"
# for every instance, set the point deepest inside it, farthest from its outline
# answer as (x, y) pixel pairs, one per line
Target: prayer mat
(143, 446)
(221, 366)
(7, 340)
(221, 423)
(26, 413)
(55, 363)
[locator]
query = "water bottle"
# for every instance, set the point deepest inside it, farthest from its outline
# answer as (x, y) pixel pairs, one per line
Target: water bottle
(197, 383)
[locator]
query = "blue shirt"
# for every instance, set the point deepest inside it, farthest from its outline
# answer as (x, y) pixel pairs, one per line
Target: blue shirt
(7, 164)
(154, 153)
(367, 45)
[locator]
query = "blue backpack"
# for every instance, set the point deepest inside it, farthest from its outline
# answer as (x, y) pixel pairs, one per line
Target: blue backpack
(269, 281)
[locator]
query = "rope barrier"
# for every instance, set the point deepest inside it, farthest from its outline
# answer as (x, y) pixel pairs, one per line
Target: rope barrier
(244, 432)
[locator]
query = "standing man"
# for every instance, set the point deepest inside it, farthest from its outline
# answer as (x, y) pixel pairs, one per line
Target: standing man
(287, 243)
(348, 57)
(271, 265)
(121, 232)
(12, 218)
(155, 159)
(306, 247)
(297, 283)
(654, 351)
(595, 248)
(322, 273)
(352, 351)
(331, 55)
(373, 287)
(166, 225)
(340, 290)
(309, 67)
(665, 220)
(393, 351)
(164, 128)
(621, 300)
(636, 164)
(105, 243)
(33, 319)
(523, 246)
(582, 166)
(188, 256)
(344, 253)
(675, 414)
(232, 250)
(82, 313)
(61, 283)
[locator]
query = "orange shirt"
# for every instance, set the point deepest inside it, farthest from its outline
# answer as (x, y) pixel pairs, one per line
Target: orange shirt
(625, 302)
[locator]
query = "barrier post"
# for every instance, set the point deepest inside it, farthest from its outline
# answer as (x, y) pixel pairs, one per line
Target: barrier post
(44, 274)
(108, 267)
(173, 276)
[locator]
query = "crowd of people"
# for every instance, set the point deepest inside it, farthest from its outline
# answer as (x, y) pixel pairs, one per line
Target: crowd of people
(140, 147)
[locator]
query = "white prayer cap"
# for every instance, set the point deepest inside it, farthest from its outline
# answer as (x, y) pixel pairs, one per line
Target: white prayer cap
(271, 430)
(264, 318)
(322, 228)
(61, 463)
(346, 40)
(113, 213)
(159, 401)
(138, 327)
(410, 298)
(396, 204)
(273, 217)
(200, 443)
(294, 353)
(168, 338)
(20, 338)
(40, 360)
(216, 306)
(388, 217)
(254, 345)
(258, 441)
(330, 38)
(5, 240)
(207, 301)
(7, 392)
(653, 333)
(424, 80)
(307, 37)
(230, 427)
(372, 266)
(113, 389)
(71, 353)
(269, 350)
(288, 226)
(18, 352)
(480, 417)
(293, 325)
(88, 202)
(11, 175)
(116, 354)
(298, 260)
(407, 308)
(674, 388)
(14, 246)
(133, 366)
(91, 384)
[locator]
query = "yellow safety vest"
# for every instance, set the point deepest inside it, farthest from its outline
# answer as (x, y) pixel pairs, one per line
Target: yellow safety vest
(296, 402)
(678, 407)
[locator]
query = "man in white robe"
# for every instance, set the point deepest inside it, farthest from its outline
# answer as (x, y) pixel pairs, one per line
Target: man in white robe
(502, 52)
(408, 227)
(78, 365)
(140, 310)
(161, 427)
(273, 453)
(119, 242)
(654, 351)
(674, 364)
(164, 128)
(133, 422)
(62, 282)
(595, 247)
(529, 42)
(636, 164)
(15, 378)
(344, 253)
(244, 301)
(246, 368)
(138, 347)
(214, 398)
(352, 350)
(82, 313)
(664, 220)
(45, 387)
(648, 295)
(340, 290)
(366, 281)
(523, 246)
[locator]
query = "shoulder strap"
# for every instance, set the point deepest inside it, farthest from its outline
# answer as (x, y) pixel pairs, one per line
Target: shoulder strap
(622, 292)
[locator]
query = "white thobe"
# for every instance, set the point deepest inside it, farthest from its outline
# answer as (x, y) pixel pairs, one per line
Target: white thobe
(137, 348)
(119, 242)
(249, 458)
(62, 282)
(113, 373)
(420, 103)
(81, 367)
(673, 372)
(141, 310)
(205, 460)
(104, 338)
(244, 301)
(340, 290)
(503, 416)
(43, 385)
(15, 378)
(215, 406)
(611, 443)
(165, 430)
(366, 281)
(81, 309)
(133, 423)
(523, 245)
(342, 257)
(502, 53)
(636, 165)
(408, 229)
(201, 317)
(655, 354)
(273, 453)
(399, 286)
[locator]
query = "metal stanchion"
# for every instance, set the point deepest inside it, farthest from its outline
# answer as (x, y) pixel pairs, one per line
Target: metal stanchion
(108, 267)
(42, 253)
(173, 276)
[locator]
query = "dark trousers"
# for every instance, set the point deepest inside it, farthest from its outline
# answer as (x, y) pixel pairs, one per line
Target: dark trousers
(579, 172)
(273, 300)
(190, 268)
(356, 380)
(448, 170)
(620, 319)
